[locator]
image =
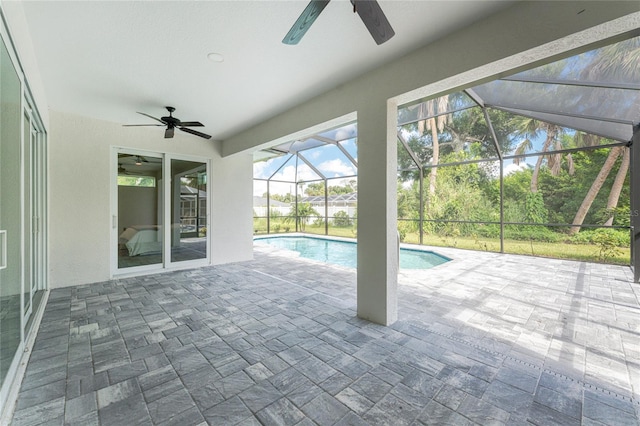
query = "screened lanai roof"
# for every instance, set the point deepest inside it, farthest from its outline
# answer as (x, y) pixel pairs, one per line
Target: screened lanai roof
(334, 198)
(596, 92)
(326, 155)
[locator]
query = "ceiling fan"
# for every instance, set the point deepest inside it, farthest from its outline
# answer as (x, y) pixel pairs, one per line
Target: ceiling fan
(369, 11)
(172, 123)
(123, 171)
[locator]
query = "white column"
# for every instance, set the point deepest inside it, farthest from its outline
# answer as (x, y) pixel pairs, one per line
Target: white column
(377, 213)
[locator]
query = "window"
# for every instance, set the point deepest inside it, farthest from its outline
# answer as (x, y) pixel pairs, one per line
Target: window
(139, 181)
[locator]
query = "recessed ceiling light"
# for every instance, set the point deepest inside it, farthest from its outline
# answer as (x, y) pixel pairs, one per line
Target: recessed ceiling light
(215, 57)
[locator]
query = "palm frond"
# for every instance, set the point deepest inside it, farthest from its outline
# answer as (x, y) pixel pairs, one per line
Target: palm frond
(524, 146)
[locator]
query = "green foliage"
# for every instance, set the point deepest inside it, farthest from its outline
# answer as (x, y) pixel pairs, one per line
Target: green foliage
(607, 243)
(138, 181)
(532, 233)
(274, 214)
(621, 215)
(619, 237)
(409, 201)
(317, 189)
(286, 198)
(341, 219)
(304, 211)
(535, 209)
(406, 227)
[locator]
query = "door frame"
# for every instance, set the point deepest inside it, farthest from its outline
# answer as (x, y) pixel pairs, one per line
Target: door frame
(169, 183)
(165, 211)
(30, 191)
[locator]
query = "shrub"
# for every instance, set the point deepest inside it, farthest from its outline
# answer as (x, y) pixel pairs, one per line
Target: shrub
(607, 242)
(532, 233)
(618, 237)
(487, 231)
(341, 219)
(274, 214)
(404, 228)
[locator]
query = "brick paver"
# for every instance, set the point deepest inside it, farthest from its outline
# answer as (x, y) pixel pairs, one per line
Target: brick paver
(483, 339)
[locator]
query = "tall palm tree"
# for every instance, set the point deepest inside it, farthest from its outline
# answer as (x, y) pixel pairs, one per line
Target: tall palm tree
(435, 125)
(593, 191)
(530, 128)
(616, 62)
(618, 183)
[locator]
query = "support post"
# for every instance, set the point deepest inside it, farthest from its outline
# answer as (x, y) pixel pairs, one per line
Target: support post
(268, 208)
(326, 208)
(377, 279)
(421, 223)
(635, 202)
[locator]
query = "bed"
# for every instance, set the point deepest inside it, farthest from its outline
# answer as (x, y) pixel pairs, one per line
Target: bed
(140, 240)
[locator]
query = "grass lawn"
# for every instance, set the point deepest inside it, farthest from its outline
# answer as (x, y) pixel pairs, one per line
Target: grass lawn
(561, 250)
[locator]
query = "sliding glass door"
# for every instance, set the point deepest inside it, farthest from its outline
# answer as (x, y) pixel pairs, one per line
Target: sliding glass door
(35, 214)
(22, 205)
(139, 218)
(10, 215)
(149, 188)
(188, 210)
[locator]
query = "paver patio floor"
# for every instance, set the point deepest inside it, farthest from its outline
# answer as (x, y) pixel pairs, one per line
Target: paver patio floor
(483, 339)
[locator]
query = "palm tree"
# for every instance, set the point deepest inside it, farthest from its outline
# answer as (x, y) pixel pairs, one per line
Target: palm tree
(616, 62)
(530, 129)
(303, 212)
(614, 153)
(618, 183)
(435, 125)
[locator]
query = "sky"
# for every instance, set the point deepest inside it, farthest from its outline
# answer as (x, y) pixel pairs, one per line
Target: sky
(329, 160)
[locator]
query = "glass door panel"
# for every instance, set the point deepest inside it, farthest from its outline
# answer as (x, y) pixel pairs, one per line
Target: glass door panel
(10, 212)
(140, 209)
(188, 210)
(28, 217)
(34, 226)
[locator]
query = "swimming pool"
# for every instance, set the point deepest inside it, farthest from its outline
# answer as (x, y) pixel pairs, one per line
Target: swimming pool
(343, 253)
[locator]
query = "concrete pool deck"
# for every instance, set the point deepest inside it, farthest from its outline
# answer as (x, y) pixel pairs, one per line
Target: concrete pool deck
(483, 339)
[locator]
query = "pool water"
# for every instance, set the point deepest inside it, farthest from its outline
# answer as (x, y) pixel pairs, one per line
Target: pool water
(343, 253)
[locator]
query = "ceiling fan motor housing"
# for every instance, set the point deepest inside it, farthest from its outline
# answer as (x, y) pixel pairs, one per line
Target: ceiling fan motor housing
(171, 120)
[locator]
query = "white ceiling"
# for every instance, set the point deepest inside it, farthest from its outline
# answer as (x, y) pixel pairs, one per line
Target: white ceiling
(109, 59)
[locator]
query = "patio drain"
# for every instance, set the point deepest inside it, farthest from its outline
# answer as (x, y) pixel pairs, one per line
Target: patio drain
(585, 385)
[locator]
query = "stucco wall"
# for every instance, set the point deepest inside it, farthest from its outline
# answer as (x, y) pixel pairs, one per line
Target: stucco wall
(80, 194)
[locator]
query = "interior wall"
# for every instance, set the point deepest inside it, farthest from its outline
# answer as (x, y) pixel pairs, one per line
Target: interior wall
(80, 184)
(137, 206)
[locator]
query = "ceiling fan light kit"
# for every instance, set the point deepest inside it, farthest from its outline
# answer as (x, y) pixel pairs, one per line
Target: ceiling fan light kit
(172, 123)
(369, 11)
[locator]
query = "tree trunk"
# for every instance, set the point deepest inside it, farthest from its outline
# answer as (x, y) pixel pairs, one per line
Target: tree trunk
(434, 158)
(551, 135)
(593, 191)
(534, 176)
(618, 183)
